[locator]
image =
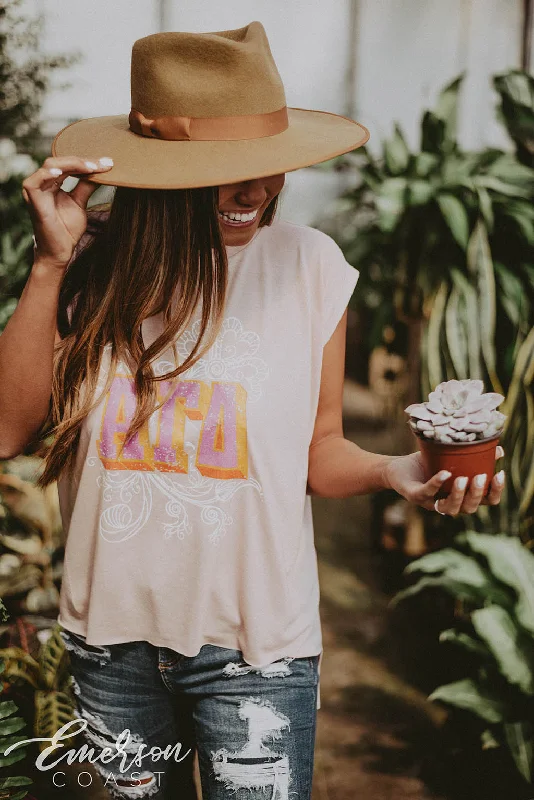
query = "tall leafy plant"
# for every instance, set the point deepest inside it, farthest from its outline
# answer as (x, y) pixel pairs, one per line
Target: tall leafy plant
(443, 240)
(492, 579)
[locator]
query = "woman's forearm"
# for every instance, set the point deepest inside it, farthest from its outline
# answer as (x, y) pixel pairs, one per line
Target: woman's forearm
(339, 468)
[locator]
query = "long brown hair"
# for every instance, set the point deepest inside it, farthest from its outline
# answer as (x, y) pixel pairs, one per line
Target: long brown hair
(159, 250)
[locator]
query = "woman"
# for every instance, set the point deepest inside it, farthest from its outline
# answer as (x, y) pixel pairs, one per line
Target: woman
(196, 394)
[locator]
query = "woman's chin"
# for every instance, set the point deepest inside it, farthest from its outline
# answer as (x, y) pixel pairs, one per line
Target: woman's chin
(234, 237)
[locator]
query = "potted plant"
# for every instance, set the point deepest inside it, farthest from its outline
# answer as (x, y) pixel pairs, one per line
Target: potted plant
(458, 429)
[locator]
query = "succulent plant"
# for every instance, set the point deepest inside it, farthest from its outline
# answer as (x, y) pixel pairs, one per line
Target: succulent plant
(457, 411)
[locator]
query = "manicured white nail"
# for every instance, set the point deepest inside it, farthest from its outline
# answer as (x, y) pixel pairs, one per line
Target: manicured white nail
(480, 480)
(91, 165)
(105, 162)
(55, 171)
(461, 483)
(500, 452)
(500, 477)
(443, 475)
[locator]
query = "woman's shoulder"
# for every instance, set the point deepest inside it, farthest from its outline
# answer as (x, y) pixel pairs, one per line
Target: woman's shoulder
(304, 237)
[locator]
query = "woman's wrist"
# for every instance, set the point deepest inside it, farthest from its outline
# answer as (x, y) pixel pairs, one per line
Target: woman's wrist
(386, 473)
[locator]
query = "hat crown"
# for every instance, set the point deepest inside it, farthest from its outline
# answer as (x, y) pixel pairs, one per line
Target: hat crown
(228, 73)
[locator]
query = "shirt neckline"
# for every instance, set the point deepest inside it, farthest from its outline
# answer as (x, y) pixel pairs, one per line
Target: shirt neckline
(233, 250)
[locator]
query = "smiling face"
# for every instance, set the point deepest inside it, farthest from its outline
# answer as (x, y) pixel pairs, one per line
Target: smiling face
(247, 201)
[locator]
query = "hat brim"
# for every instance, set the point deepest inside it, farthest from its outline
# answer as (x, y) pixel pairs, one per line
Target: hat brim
(148, 163)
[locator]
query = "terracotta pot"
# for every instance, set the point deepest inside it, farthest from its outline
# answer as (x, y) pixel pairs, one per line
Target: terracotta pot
(460, 458)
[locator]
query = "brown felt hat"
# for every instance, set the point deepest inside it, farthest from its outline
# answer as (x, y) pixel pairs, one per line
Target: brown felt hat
(207, 109)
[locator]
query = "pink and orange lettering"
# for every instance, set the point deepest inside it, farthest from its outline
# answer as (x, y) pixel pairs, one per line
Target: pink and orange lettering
(222, 448)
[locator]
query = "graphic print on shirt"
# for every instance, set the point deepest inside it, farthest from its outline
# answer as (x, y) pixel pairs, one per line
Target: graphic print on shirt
(193, 450)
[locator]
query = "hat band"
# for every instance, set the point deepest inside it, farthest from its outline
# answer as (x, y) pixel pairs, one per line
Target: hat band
(248, 126)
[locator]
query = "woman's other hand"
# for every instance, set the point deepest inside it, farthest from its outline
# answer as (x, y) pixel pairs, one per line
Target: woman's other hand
(58, 217)
(406, 475)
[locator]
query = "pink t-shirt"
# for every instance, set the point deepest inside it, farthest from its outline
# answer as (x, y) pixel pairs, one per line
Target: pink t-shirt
(202, 532)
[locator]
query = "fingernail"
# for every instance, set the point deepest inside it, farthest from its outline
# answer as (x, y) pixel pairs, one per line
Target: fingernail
(105, 162)
(55, 171)
(500, 452)
(443, 475)
(500, 477)
(461, 483)
(91, 165)
(480, 480)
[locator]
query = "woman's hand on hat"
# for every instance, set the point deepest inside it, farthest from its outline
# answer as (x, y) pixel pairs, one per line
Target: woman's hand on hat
(406, 475)
(58, 217)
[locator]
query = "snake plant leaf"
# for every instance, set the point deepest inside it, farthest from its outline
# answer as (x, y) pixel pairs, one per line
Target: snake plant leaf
(471, 316)
(480, 264)
(396, 152)
(511, 292)
(486, 207)
(464, 641)
(510, 563)
(434, 367)
(471, 696)
(455, 334)
(455, 215)
(520, 741)
(511, 648)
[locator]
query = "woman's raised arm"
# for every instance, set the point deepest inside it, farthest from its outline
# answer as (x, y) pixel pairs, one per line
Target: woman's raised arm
(59, 220)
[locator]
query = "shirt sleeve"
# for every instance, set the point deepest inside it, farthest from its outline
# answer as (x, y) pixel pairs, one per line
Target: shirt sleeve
(338, 281)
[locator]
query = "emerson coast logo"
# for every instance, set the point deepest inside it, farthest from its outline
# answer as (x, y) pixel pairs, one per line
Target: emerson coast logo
(128, 758)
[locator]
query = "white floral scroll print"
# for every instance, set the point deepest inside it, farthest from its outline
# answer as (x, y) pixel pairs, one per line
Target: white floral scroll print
(232, 357)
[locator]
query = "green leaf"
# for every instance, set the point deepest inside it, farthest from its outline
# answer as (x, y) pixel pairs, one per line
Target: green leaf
(457, 589)
(19, 795)
(420, 192)
(391, 202)
(486, 206)
(7, 783)
(509, 170)
(480, 264)
(432, 134)
(447, 106)
(512, 651)
(7, 708)
(510, 563)
(455, 216)
(455, 334)
(520, 740)
(434, 366)
(424, 164)
(471, 320)
(464, 641)
(501, 187)
(468, 695)
(396, 153)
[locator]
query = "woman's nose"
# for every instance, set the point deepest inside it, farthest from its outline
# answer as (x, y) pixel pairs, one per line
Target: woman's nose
(252, 193)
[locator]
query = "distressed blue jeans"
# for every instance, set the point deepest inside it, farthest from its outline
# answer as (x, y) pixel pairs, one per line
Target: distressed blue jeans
(151, 707)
